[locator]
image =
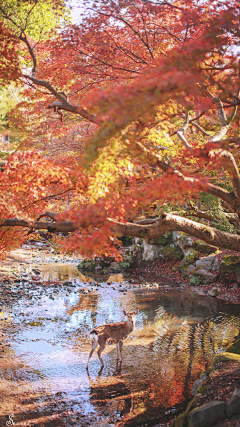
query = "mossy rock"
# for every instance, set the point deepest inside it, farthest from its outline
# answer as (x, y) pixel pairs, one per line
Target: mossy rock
(126, 240)
(172, 252)
(223, 357)
(202, 277)
(182, 419)
(230, 269)
(204, 248)
(87, 264)
(191, 256)
(164, 240)
(234, 348)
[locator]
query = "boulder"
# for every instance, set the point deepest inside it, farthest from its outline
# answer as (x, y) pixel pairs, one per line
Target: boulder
(197, 383)
(208, 414)
(86, 279)
(215, 265)
(172, 251)
(115, 278)
(187, 242)
(233, 404)
(204, 248)
(114, 267)
(164, 240)
(206, 262)
(230, 269)
(87, 264)
(191, 255)
(187, 270)
(235, 347)
(214, 292)
(150, 251)
(202, 277)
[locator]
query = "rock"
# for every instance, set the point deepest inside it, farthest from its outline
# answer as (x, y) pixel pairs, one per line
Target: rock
(191, 255)
(172, 251)
(206, 262)
(85, 279)
(214, 292)
(115, 278)
(164, 240)
(197, 383)
(230, 268)
(235, 347)
(202, 277)
(150, 251)
(176, 236)
(215, 265)
(233, 404)
(133, 254)
(87, 264)
(186, 241)
(204, 248)
(208, 414)
(114, 267)
(142, 250)
(188, 270)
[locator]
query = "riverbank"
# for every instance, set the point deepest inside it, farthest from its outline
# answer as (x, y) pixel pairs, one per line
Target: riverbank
(216, 401)
(23, 278)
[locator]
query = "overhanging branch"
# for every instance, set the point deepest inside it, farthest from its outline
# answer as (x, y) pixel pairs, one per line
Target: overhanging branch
(168, 222)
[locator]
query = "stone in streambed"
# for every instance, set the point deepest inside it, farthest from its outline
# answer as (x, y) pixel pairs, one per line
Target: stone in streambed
(208, 415)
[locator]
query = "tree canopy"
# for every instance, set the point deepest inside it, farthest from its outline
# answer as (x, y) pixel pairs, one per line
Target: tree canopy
(128, 121)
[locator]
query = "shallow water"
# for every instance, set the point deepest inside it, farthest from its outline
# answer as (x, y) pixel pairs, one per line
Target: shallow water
(177, 333)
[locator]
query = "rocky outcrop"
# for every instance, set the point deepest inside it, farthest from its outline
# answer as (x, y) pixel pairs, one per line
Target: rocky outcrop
(230, 269)
(233, 404)
(199, 382)
(208, 415)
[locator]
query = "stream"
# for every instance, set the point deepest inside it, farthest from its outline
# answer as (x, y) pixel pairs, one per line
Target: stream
(44, 332)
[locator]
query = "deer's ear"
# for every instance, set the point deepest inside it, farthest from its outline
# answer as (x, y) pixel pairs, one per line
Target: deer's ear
(136, 311)
(124, 312)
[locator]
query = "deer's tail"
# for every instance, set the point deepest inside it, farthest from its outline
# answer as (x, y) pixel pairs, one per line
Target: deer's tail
(94, 336)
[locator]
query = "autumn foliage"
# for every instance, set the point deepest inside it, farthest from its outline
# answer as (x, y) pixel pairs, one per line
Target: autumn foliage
(128, 123)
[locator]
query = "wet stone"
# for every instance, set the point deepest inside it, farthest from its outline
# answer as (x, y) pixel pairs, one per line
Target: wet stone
(208, 415)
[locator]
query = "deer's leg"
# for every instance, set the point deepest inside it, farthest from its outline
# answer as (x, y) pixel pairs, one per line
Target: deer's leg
(100, 350)
(117, 349)
(120, 344)
(94, 345)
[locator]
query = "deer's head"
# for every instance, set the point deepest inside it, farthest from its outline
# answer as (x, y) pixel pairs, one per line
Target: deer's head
(131, 317)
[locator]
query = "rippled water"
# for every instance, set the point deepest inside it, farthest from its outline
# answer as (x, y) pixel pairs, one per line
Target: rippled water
(177, 333)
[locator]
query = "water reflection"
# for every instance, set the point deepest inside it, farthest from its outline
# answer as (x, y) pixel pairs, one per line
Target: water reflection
(177, 333)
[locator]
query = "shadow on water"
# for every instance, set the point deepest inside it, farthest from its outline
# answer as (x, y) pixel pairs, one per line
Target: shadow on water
(44, 380)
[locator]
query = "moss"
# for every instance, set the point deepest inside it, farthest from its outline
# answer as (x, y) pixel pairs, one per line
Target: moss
(163, 240)
(126, 240)
(204, 248)
(226, 356)
(234, 348)
(87, 264)
(182, 419)
(124, 264)
(172, 252)
(191, 257)
(230, 269)
(195, 279)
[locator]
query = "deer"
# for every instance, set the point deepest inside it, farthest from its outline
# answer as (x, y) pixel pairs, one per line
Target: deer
(112, 333)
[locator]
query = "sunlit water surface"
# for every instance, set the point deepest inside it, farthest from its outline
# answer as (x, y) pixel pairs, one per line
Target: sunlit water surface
(177, 333)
